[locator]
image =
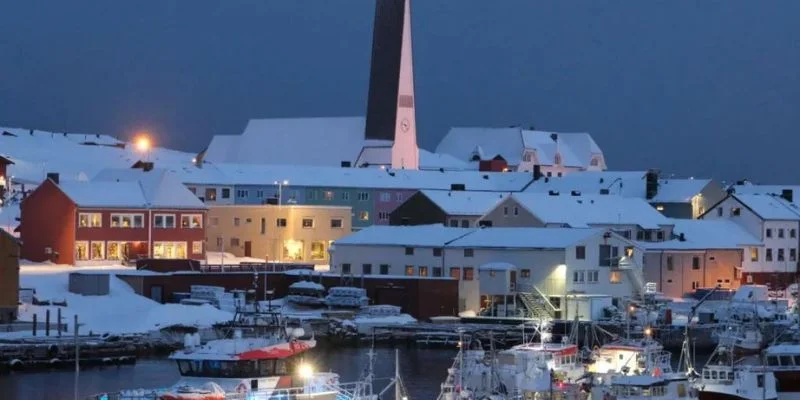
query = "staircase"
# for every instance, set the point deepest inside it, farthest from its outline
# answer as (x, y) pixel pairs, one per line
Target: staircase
(536, 304)
(635, 274)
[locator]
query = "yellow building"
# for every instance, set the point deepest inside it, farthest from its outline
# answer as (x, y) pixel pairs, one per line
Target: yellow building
(296, 233)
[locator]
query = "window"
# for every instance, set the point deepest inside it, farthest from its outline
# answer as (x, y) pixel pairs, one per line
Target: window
(398, 197)
(780, 233)
(769, 233)
(769, 255)
(670, 265)
(580, 252)
(220, 243)
(383, 216)
(318, 250)
(363, 196)
(469, 273)
(311, 195)
(409, 251)
(345, 268)
(437, 251)
(127, 220)
(719, 211)
(386, 197)
(454, 223)
(293, 250)
(469, 252)
(260, 194)
(235, 242)
(384, 269)
(236, 221)
(197, 247)
(592, 276)
(263, 226)
(609, 256)
(437, 272)
(241, 193)
(226, 193)
(754, 254)
(192, 221)
(615, 277)
(629, 251)
(409, 270)
(90, 220)
(308, 223)
(455, 273)
(81, 251)
(363, 215)
(465, 223)
(792, 254)
(792, 233)
(578, 277)
(516, 210)
(736, 211)
(211, 194)
(492, 273)
(164, 221)
(525, 273)
(423, 271)
(115, 250)
(327, 195)
(169, 250)
(336, 223)
(780, 255)
(366, 269)
(660, 235)
(696, 263)
(280, 222)
(505, 211)
(345, 195)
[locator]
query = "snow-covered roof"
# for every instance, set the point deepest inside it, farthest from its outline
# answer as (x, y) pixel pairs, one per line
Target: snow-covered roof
(325, 141)
(306, 285)
(589, 210)
(161, 188)
(679, 190)
(623, 183)
(464, 202)
(525, 238)
(769, 206)
(750, 188)
(436, 235)
(376, 178)
(706, 234)
(783, 348)
(105, 194)
(436, 161)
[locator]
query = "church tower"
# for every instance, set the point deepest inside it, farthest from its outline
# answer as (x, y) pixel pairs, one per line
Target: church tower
(390, 106)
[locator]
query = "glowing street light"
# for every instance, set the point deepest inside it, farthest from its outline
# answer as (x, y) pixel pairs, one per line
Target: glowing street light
(143, 144)
(305, 371)
(281, 184)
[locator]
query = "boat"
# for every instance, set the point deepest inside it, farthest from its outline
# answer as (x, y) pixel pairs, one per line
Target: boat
(645, 387)
(631, 356)
(783, 360)
(347, 297)
(744, 338)
(726, 376)
(306, 293)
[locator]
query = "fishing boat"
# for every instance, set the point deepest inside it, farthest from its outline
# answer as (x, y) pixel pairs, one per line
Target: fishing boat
(726, 376)
(645, 387)
(783, 360)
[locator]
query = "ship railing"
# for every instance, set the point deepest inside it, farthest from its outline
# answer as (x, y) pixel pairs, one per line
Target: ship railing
(344, 391)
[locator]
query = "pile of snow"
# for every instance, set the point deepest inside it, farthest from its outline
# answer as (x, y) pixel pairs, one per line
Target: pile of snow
(121, 311)
(218, 258)
(366, 323)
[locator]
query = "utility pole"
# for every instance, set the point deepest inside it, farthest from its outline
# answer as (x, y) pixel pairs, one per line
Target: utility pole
(77, 358)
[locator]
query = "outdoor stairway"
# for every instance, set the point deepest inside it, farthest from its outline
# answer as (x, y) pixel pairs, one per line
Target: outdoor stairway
(535, 303)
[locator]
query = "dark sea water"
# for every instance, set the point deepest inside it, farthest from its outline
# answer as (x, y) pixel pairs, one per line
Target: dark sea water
(422, 370)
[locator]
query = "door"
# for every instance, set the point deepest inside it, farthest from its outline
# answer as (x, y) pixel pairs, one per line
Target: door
(513, 281)
(248, 248)
(157, 293)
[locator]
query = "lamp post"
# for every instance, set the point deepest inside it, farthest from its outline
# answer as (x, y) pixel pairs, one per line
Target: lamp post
(281, 184)
(143, 144)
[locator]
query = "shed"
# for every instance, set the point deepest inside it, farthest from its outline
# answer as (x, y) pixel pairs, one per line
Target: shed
(87, 284)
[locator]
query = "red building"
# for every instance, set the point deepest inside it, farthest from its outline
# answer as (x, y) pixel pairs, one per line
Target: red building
(5, 181)
(120, 215)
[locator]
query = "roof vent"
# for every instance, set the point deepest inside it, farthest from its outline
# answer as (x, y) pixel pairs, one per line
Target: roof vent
(604, 191)
(576, 193)
(681, 237)
(553, 193)
(53, 176)
(458, 187)
(486, 177)
(391, 173)
(346, 164)
(602, 180)
(441, 169)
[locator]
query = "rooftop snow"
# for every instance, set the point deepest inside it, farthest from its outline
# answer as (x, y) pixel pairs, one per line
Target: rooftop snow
(767, 189)
(706, 234)
(525, 238)
(679, 190)
(105, 194)
(584, 211)
(464, 202)
(436, 161)
(623, 183)
(769, 206)
(161, 188)
(413, 236)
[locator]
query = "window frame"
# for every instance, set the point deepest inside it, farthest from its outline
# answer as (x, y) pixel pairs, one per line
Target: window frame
(164, 218)
(90, 220)
(190, 217)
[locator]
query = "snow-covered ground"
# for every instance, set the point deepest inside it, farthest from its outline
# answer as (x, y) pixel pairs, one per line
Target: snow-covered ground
(121, 311)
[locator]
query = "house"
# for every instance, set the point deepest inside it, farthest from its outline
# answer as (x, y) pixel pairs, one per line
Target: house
(704, 254)
(501, 271)
(549, 153)
(453, 208)
(295, 233)
(774, 221)
(631, 217)
(686, 198)
(9, 277)
(5, 178)
(119, 215)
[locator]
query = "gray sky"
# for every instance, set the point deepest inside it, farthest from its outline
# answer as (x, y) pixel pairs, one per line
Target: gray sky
(704, 88)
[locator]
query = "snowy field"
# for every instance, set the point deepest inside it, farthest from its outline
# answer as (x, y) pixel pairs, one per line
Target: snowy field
(121, 311)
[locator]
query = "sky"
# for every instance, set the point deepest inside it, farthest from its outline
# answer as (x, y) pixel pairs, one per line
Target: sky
(695, 88)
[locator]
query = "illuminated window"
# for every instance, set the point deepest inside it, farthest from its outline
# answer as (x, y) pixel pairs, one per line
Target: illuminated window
(308, 222)
(98, 251)
(211, 194)
(423, 271)
(127, 220)
(116, 250)
(90, 220)
(192, 221)
(615, 277)
(469, 273)
(455, 273)
(409, 270)
(327, 195)
(317, 250)
(363, 215)
(164, 221)
(197, 247)
(81, 251)
(293, 250)
(174, 250)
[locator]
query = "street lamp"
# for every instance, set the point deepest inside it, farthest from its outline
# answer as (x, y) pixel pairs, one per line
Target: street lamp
(143, 144)
(281, 184)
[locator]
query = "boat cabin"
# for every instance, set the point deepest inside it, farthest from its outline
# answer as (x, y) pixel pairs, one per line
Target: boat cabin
(632, 357)
(782, 356)
(236, 368)
(645, 386)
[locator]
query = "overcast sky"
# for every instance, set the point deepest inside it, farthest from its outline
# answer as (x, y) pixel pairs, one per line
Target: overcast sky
(703, 88)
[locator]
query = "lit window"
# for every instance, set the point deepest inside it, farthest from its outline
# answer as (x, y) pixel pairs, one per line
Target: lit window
(90, 220)
(98, 251)
(197, 247)
(754, 254)
(615, 277)
(192, 221)
(293, 250)
(116, 250)
(409, 270)
(423, 271)
(328, 195)
(469, 273)
(363, 215)
(308, 222)
(455, 273)
(317, 250)
(170, 250)
(211, 194)
(81, 251)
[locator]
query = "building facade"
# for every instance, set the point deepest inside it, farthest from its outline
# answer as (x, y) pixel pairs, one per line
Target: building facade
(9, 276)
(5, 179)
(452, 208)
(296, 233)
(678, 272)
(687, 198)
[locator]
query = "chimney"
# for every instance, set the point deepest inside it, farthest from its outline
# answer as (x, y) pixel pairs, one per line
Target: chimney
(576, 193)
(651, 185)
(787, 194)
(458, 187)
(53, 176)
(681, 237)
(553, 193)
(554, 136)
(537, 172)
(346, 164)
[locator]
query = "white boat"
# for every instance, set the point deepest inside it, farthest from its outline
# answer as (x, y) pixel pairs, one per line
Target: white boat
(535, 368)
(645, 387)
(743, 338)
(306, 293)
(347, 297)
(631, 357)
(783, 360)
(728, 378)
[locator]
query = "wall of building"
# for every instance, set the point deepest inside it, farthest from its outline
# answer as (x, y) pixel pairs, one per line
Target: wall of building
(511, 214)
(48, 222)
(9, 277)
(417, 210)
(674, 273)
(223, 233)
(394, 257)
(675, 210)
(204, 193)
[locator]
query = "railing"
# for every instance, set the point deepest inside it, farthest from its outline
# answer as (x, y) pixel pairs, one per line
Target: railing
(343, 391)
(531, 288)
(255, 267)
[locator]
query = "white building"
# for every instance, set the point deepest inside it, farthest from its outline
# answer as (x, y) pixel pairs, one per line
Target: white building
(556, 154)
(501, 271)
(775, 222)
